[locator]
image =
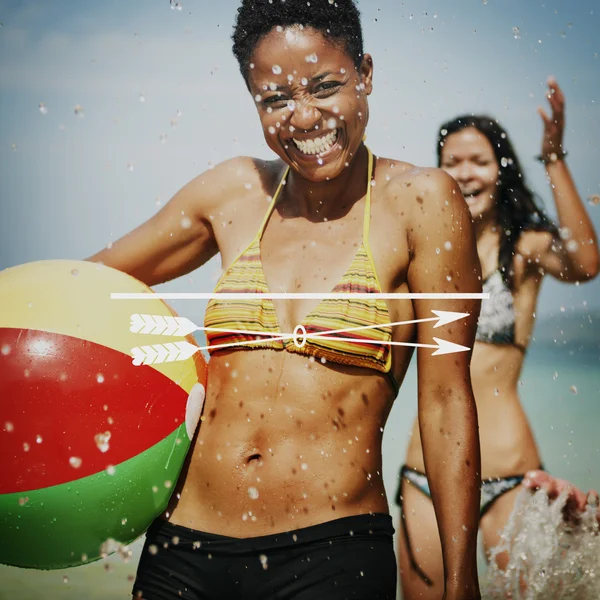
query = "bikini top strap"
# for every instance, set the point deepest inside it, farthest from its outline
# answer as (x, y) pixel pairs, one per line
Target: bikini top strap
(367, 218)
(273, 203)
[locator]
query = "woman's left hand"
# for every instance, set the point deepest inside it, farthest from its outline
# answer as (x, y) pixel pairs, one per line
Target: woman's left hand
(577, 500)
(554, 125)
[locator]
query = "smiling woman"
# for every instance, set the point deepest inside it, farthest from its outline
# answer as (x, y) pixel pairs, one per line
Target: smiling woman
(517, 245)
(283, 495)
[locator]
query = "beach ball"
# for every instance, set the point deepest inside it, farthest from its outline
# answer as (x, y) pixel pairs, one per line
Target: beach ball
(99, 401)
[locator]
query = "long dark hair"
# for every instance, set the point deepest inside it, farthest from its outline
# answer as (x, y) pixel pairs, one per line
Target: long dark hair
(516, 206)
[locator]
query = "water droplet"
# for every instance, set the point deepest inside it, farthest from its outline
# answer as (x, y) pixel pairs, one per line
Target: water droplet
(573, 389)
(253, 493)
(75, 462)
(272, 130)
(263, 561)
(65, 579)
(565, 233)
(25, 447)
(175, 5)
(102, 440)
(8, 427)
(38, 439)
(24, 500)
(594, 199)
(153, 549)
(130, 166)
(277, 69)
(186, 223)
(311, 58)
(257, 98)
(168, 484)
(320, 160)
(43, 108)
(448, 246)
(162, 138)
(504, 162)
(572, 246)
(304, 467)
(142, 98)
(516, 33)
(110, 470)
(5, 350)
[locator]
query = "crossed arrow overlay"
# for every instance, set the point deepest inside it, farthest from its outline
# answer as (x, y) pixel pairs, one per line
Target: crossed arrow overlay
(181, 326)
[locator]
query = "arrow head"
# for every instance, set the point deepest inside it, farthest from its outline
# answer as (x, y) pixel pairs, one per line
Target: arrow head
(445, 317)
(445, 347)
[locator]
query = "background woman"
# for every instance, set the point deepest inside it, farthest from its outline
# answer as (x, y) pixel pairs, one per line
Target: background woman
(517, 246)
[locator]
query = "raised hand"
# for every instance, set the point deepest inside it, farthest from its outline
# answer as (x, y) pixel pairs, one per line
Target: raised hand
(554, 125)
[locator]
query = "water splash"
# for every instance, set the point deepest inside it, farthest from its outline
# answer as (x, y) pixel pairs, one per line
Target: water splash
(555, 559)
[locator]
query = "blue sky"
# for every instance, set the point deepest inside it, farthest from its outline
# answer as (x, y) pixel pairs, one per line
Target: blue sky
(161, 99)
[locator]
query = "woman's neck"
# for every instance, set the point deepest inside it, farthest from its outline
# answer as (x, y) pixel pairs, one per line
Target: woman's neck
(331, 199)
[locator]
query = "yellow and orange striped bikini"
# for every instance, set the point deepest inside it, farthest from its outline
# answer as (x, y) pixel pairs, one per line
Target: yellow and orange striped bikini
(344, 331)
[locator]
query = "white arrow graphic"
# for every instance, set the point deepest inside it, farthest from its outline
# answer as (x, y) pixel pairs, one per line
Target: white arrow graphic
(159, 325)
(162, 353)
(445, 347)
(180, 326)
(445, 317)
(179, 351)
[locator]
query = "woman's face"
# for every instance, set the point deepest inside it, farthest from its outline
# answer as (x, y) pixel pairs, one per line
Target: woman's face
(311, 100)
(468, 157)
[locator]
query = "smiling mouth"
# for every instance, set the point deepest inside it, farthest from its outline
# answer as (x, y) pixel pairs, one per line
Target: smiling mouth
(472, 196)
(317, 146)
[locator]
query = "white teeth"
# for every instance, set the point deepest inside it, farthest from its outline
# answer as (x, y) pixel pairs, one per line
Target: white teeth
(317, 145)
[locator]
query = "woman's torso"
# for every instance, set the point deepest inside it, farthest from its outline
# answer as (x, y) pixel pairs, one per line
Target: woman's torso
(287, 441)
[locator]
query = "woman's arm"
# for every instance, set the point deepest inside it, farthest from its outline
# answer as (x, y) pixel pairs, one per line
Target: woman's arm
(576, 257)
(444, 259)
(179, 238)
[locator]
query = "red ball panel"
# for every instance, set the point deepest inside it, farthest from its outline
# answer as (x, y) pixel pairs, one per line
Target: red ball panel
(61, 395)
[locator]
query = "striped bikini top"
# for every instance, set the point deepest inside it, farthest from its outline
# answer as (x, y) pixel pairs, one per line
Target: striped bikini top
(344, 331)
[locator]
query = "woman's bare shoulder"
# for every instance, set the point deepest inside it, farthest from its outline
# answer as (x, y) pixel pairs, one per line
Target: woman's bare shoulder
(424, 189)
(235, 176)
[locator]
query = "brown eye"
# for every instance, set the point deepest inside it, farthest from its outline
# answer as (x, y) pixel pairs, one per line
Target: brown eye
(327, 88)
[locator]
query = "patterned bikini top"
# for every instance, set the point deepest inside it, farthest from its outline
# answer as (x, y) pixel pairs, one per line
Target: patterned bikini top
(343, 331)
(496, 323)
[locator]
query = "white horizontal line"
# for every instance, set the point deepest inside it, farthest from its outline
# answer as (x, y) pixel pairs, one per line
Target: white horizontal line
(295, 296)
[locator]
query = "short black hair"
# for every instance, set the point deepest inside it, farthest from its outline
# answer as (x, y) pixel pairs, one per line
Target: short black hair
(337, 20)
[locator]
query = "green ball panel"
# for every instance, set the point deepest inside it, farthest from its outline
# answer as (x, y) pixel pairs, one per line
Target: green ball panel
(66, 525)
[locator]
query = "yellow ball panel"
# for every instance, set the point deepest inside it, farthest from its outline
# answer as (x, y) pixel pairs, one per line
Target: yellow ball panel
(72, 297)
